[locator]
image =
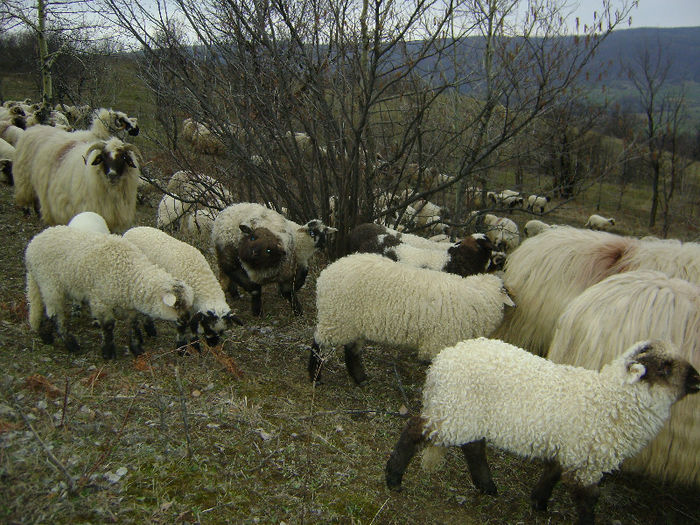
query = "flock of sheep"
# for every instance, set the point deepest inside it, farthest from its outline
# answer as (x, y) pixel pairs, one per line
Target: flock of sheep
(611, 324)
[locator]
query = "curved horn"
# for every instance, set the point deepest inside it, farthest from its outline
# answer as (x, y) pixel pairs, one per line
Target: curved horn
(92, 147)
(132, 147)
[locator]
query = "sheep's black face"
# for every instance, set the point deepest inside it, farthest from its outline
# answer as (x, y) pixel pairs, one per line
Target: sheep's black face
(20, 121)
(667, 370)
(130, 125)
(114, 164)
(260, 248)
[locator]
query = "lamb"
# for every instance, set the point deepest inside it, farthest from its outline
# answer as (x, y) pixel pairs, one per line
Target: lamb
(107, 272)
(369, 297)
(581, 423)
(549, 270)
(534, 227)
(89, 221)
(538, 203)
(597, 222)
(502, 232)
(466, 257)
(290, 246)
(107, 123)
(618, 311)
(68, 176)
(210, 314)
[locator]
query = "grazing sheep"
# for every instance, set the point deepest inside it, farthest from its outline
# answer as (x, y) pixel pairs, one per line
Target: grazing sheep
(538, 203)
(507, 198)
(614, 313)
(107, 272)
(107, 123)
(200, 189)
(596, 222)
(502, 232)
(549, 270)
(238, 224)
(68, 176)
(534, 227)
(210, 314)
(581, 423)
(90, 222)
(466, 257)
(369, 297)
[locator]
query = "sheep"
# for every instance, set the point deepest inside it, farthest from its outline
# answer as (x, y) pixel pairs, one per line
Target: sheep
(107, 123)
(507, 198)
(75, 114)
(466, 257)
(107, 272)
(369, 297)
(538, 203)
(14, 116)
(237, 223)
(10, 133)
(89, 221)
(582, 423)
(50, 117)
(210, 314)
(68, 176)
(597, 222)
(200, 189)
(533, 227)
(201, 138)
(624, 308)
(549, 270)
(502, 232)
(7, 155)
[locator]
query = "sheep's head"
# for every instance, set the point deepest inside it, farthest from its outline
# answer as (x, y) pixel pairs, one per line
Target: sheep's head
(6, 170)
(259, 247)
(115, 157)
(177, 299)
(470, 256)
(318, 231)
(211, 325)
(658, 364)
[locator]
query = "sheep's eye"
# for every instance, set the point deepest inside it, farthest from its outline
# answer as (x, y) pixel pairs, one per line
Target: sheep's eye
(268, 251)
(252, 237)
(312, 233)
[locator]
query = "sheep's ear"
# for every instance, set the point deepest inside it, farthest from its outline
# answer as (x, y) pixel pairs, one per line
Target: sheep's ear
(506, 298)
(635, 372)
(246, 229)
(330, 229)
(169, 299)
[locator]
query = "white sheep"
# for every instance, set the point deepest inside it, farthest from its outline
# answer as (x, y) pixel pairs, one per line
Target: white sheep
(533, 227)
(7, 156)
(507, 198)
(538, 203)
(369, 297)
(107, 272)
(200, 189)
(549, 270)
(502, 232)
(282, 256)
(68, 176)
(582, 423)
(10, 133)
(201, 138)
(14, 116)
(89, 221)
(107, 123)
(613, 314)
(210, 314)
(597, 222)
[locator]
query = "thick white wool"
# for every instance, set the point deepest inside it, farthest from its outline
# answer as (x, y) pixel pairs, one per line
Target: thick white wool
(367, 296)
(184, 262)
(628, 307)
(7, 150)
(418, 241)
(89, 221)
(534, 227)
(421, 257)
(108, 272)
(588, 421)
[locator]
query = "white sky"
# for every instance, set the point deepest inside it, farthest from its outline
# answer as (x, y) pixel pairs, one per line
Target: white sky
(650, 13)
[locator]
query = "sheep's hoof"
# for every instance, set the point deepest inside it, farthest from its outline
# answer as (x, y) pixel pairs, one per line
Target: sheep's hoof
(135, 348)
(109, 351)
(393, 484)
(538, 505)
(489, 488)
(150, 328)
(46, 331)
(71, 343)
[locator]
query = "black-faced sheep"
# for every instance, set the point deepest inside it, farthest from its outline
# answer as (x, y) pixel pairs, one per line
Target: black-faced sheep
(107, 272)
(107, 123)
(597, 222)
(614, 313)
(368, 297)
(581, 423)
(67, 176)
(299, 243)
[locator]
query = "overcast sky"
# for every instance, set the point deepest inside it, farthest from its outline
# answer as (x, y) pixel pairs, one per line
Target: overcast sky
(651, 13)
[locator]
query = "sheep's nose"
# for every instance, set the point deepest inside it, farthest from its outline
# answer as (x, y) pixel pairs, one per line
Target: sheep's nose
(692, 381)
(134, 131)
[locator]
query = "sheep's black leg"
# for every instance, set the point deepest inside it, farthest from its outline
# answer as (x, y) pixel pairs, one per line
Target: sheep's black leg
(290, 292)
(69, 339)
(181, 341)
(149, 327)
(404, 450)
(47, 327)
(475, 454)
(135, 338)
(109, 351)
(585, 499)
(540, 495)
(353, 362)
(256, 300)
(315, 362)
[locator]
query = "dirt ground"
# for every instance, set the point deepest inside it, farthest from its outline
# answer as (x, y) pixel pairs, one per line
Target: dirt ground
(238, 434)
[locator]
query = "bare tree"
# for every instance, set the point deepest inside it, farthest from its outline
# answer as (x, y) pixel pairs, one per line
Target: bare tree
(429, 87)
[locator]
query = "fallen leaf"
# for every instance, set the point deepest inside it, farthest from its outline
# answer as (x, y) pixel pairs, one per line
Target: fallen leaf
(41, 384)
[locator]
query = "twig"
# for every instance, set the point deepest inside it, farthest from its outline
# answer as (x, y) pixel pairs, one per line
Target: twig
(349, 411)
(403, 393)
(379, 511)
(183, 408)
(109, 447)
(54, 461)
(65, 403)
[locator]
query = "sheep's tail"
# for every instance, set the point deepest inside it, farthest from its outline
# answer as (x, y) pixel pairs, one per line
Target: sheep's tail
(432, 457)
(36, 304)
